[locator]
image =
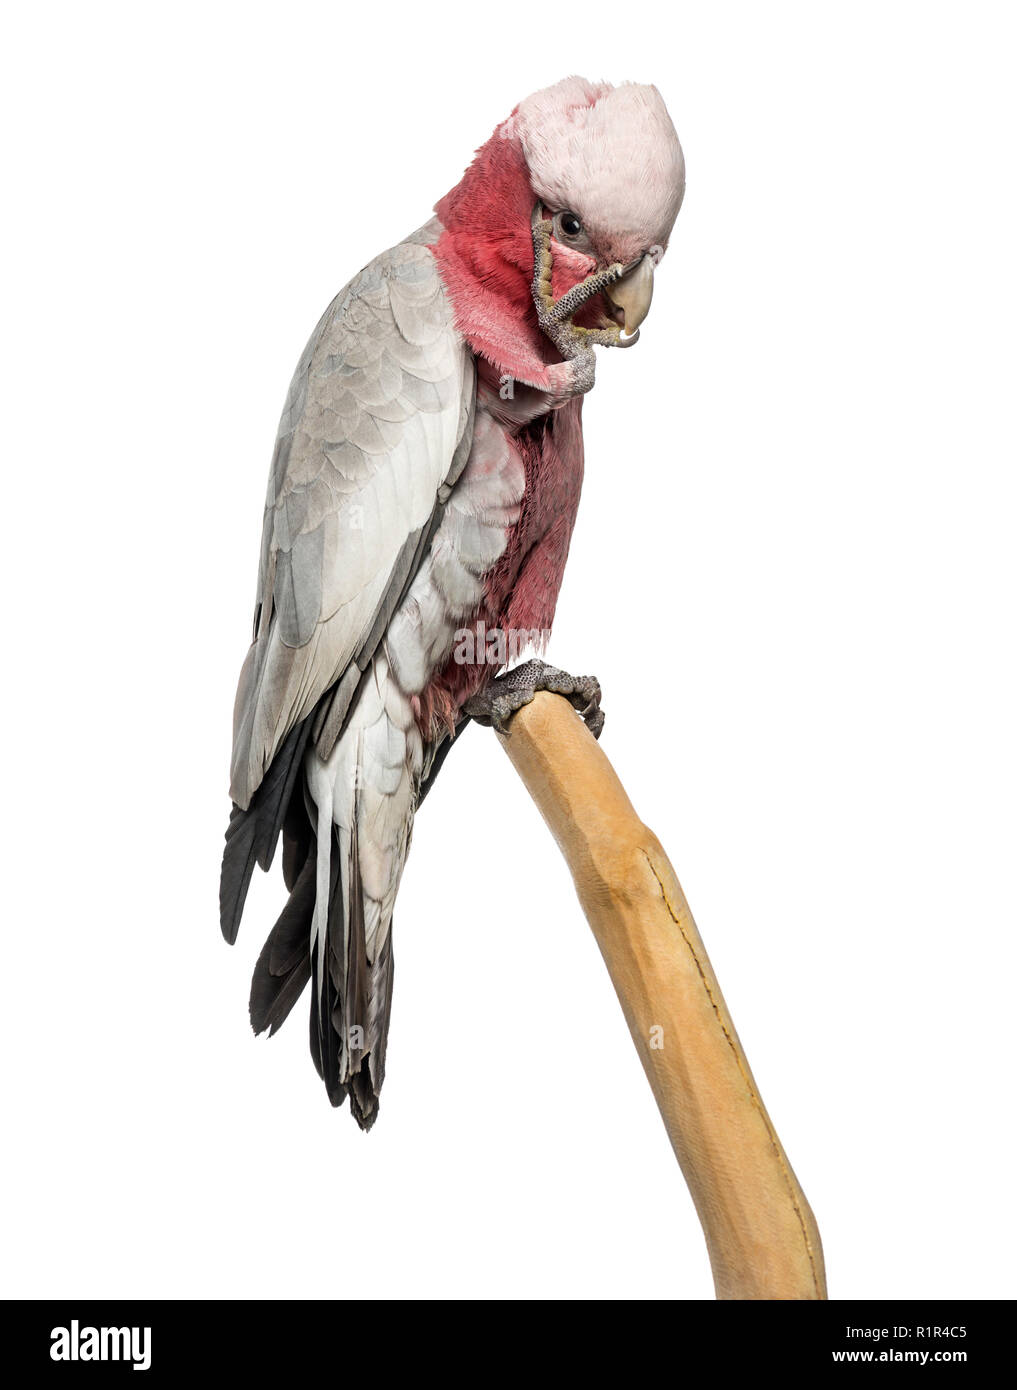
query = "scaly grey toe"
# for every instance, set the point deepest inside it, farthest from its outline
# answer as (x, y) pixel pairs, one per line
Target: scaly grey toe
(495, 705)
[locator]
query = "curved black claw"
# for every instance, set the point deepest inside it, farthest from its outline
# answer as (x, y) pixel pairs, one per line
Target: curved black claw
(495, 705)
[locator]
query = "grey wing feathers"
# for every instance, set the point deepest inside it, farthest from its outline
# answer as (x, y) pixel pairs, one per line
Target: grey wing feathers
(375, 429)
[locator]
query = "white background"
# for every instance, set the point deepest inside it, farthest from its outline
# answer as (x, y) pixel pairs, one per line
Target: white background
(793, 571)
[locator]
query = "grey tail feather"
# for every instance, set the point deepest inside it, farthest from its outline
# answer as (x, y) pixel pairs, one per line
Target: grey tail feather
(284, 966)
(252, 834)
(360, 992)
(356, 993)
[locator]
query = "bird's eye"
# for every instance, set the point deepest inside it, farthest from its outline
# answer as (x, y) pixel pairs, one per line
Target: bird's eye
(570, 224)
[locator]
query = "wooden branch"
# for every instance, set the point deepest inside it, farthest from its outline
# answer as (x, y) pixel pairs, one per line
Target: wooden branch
(761, 1235)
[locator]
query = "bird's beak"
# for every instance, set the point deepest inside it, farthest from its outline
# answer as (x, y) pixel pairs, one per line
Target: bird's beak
(630, 295)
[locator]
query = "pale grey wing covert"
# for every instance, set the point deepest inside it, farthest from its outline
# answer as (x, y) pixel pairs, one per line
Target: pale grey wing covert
(375, 430)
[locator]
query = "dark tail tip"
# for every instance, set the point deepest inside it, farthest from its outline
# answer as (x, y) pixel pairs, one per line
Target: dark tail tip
(238, 861)
(364, 1101)
(284, 966)
(252, 835)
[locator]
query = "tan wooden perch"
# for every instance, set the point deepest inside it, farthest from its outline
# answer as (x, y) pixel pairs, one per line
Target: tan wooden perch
(761, 1235)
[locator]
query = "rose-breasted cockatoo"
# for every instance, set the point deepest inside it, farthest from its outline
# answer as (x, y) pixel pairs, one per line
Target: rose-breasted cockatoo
(425, 481)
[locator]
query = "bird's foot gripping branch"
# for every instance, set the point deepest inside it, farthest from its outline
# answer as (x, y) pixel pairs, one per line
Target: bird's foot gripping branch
(495, 705)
